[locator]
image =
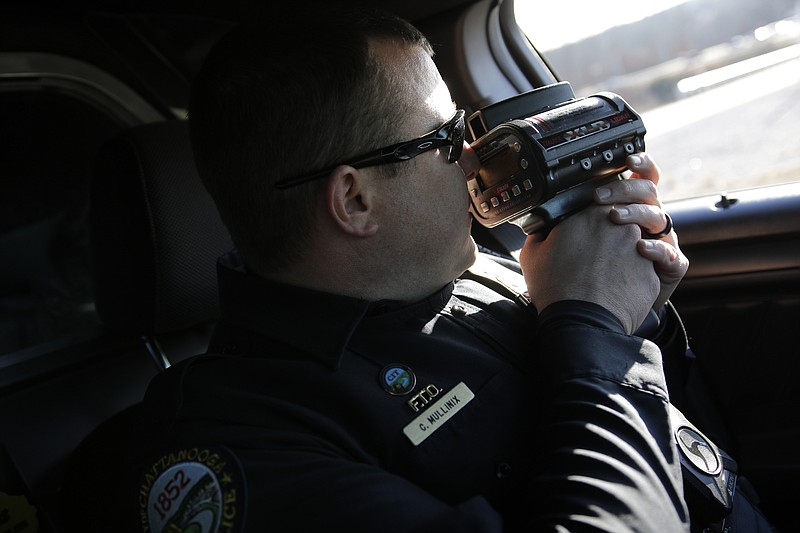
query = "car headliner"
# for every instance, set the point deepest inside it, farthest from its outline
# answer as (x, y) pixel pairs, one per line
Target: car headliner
(241, 9)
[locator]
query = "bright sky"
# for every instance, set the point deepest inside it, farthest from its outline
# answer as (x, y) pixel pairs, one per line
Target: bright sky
(552, 23)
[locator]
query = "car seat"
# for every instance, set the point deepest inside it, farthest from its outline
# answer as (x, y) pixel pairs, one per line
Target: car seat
(156, 235)
(155, 239)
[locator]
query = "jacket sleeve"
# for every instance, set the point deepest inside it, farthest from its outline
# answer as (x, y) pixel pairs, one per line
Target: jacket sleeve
(607, 459)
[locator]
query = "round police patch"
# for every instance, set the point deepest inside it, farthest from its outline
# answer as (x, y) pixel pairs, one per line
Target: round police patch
(397, 379)
(198, 489)
(698, 451)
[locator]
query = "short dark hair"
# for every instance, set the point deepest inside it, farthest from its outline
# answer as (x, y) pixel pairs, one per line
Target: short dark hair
(283, 97)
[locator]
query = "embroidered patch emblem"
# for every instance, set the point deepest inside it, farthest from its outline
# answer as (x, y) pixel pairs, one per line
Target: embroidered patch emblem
(397, 379)
(698, 451)
(197, 490)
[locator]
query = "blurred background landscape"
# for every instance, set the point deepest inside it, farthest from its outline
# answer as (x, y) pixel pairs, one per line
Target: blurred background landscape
(716, 81)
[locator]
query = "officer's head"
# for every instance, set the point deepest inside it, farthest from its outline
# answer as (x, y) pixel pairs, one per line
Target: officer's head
(268, 110)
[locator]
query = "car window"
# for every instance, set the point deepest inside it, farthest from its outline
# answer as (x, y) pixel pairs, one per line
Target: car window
(716, 81)
(45, 290)
(57, 112)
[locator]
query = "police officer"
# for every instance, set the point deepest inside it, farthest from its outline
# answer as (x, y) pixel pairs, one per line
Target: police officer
(370, 372)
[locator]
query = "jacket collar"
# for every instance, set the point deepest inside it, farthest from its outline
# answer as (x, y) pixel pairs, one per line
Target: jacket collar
(319, 323)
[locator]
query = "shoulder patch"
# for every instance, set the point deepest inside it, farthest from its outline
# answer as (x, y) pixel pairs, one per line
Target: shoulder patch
(193, 490)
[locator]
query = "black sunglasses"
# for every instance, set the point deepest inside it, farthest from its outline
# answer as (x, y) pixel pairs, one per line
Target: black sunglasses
(450, 134)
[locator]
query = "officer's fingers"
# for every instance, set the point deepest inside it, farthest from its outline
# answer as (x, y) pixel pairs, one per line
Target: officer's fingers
(650, 218)
(642, 166)
(630, 191)
(670, 263)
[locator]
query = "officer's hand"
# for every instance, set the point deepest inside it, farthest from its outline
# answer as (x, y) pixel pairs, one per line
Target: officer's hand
(636, 201)
(590, 258)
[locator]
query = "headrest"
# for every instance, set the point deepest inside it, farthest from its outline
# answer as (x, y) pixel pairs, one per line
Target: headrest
(156, 233)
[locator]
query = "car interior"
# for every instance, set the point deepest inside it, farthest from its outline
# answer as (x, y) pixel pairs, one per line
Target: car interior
(108, 241)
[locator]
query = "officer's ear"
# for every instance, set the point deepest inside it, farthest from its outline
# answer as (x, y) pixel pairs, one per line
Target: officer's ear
(349, 201)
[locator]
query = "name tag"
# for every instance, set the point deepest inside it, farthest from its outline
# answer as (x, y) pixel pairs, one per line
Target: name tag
(437, 414)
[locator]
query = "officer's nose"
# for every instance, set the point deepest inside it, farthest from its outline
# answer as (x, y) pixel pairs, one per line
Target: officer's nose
(469, 162)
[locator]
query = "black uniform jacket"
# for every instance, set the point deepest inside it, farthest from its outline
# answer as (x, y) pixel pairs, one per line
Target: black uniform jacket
(462, 412)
